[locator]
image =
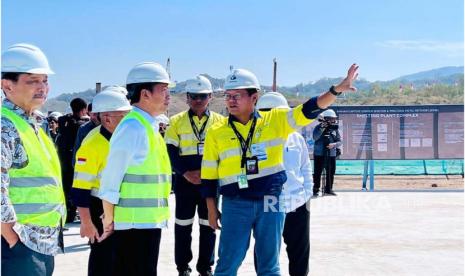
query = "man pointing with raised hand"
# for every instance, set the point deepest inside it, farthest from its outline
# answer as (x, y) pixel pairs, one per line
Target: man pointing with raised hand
(243, 160)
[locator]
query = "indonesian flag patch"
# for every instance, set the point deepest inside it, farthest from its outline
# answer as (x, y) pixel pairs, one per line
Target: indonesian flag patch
(81, 161)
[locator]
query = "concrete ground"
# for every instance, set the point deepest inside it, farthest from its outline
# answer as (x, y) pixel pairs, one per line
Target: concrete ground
(355, 233)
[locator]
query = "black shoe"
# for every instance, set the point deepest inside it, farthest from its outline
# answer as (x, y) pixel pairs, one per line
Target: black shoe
(315, 195)
(331, 193)
(206, 273)
(186, 272)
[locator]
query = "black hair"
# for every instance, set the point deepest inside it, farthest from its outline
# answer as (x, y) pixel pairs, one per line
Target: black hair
(251, 91)
(12, 76)
(134, 90)
(77, 104)
(89, 107)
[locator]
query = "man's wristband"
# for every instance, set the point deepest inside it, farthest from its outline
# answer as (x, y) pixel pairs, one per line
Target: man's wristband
(333, 91)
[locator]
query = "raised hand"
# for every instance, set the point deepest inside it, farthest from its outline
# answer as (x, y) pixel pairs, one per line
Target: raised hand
(347, 83)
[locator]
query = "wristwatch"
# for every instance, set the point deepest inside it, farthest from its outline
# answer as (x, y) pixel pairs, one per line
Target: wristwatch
(333, 91)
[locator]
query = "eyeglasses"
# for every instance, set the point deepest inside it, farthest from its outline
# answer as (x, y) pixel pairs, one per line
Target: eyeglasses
(198, 96)
(234, 97)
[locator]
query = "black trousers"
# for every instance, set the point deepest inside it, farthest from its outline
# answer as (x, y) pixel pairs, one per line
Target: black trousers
(186, 205)
(319, 165)
(67, 175)
(102, 254)
(296, 236)
(137, 252)
(22, 261)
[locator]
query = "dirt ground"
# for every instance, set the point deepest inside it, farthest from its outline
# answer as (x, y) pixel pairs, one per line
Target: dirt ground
(408, 182)
(354, 233)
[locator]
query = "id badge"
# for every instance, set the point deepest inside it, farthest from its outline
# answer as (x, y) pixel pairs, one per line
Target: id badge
(242, 181)
(259, 151)
(251, 165)
(200, 148)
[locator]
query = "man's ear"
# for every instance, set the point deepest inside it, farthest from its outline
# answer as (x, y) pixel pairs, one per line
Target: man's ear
(255, 99)
(144, 94)
(7, 86)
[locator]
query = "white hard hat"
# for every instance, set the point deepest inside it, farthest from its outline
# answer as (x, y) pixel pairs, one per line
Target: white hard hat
(39, 113)
(241, 79)
(25, 58)
(272, 100)
(199, 85)
(328, 113)
(162, 118)
(148, 72)
(55, 115)
(117, 88)
(110, 99)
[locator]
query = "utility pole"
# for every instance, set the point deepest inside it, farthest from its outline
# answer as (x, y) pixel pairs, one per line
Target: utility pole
(275, 67)
(168, 64)
(98, 87)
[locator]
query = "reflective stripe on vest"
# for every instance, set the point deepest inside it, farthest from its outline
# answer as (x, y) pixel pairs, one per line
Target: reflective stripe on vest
(188, 136)
(210, 164)
(35, 208)
(33, 181)
(146, 187)
(35, 191)
(172, 142)
(263, 172)
(85, 176)
(290, 119)
(184, 137)
(143, 202)
(237, 152)
(146, 179)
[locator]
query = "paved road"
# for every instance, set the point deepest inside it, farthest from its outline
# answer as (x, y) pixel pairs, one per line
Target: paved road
(352, 234)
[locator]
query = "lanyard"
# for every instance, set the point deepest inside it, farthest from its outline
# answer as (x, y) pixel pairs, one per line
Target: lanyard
(245, 144)
(198, 133)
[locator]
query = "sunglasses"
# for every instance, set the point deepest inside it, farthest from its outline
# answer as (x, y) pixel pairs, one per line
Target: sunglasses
(198, 96)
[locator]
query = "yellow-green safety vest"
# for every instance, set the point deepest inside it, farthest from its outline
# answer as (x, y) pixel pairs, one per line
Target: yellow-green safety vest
(146, 187)
(36, 190)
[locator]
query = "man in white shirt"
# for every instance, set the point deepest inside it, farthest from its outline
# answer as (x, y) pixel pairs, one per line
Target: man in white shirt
(296, 193)
(136, 182)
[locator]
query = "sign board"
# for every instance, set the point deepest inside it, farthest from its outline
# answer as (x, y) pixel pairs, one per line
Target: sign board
(401, 132)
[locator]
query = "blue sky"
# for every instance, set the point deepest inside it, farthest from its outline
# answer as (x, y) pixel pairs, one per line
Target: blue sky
(90, 41)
